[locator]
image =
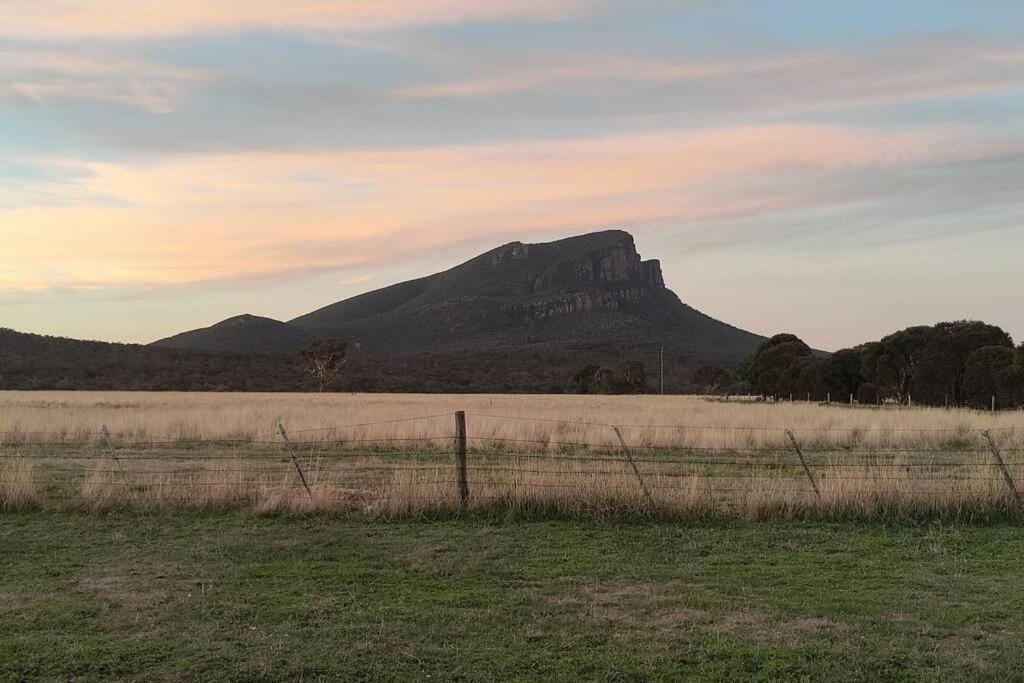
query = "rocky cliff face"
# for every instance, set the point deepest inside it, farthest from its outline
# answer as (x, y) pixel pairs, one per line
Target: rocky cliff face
(617, 264)
(576, 303)
(607, 278)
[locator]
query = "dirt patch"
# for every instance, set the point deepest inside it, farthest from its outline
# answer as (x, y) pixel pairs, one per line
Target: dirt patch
(646, 610)
(805, 624)
(765, 626)
(640, 608)
(138, 591)
(733, 622)
(12, 602)
(430, 556)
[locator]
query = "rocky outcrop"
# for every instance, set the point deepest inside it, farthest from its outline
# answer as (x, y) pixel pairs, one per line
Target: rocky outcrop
(612, 300)
(614, 265)
(608, 276)
(514, 251)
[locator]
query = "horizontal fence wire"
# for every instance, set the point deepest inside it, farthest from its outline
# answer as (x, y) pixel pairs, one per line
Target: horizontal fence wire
(610, 425)
(325, 464)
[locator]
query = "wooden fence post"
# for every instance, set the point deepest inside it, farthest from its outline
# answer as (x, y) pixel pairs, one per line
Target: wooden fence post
(1002, 466)
(807, 470)
(113, 453)
(636, 471)
(295, 460)
(460, 457)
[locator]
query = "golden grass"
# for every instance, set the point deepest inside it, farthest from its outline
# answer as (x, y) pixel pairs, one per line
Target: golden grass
(17, 488)
(528, 455)
(512, 485)
(77, 416)
(868, 492)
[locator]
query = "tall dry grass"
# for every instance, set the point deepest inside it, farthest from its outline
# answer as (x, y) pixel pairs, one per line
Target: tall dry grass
(528, 455)
(18, 490)
(647, 420)
(511, 485)
(867, 492)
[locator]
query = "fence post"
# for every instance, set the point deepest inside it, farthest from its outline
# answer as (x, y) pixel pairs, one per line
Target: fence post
(460, 457)
(1002, 466)
(807, 470)
(295, 460)
(113, 453)
(636, 471)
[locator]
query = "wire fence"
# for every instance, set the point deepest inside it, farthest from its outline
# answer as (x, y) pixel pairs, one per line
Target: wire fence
(578, 465)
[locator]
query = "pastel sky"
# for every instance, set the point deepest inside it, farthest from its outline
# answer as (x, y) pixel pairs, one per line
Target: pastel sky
(835, 169)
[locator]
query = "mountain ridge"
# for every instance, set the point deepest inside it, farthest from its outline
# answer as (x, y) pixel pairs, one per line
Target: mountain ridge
(593, 293)
(244, 333)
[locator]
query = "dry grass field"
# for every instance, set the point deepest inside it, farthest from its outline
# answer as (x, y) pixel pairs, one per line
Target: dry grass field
(392, 455)
(668, 420)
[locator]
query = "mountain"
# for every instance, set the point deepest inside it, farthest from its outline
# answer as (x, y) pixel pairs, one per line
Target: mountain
(592, 289)
(521, 317)
(242, 334)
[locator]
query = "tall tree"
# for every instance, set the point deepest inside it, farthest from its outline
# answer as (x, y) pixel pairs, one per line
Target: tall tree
(770, 368)
(324, 360)
(891, 362)
(989, 373)
(943, 360)
(843, 372)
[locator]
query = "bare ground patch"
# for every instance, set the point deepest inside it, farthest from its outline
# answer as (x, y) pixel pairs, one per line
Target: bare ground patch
(661, 611)
(128, 593)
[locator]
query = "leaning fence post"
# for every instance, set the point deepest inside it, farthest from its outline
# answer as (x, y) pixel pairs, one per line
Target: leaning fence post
(807, 470)
(460, 457)
(636, 471)
(113, 453)
(1002, 466)
(295, 460)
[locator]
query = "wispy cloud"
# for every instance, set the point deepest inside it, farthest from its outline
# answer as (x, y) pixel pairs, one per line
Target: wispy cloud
(48, 76)
(197, 218)
(245, 100)
(139, 18)
(889, 72)
(157, 144)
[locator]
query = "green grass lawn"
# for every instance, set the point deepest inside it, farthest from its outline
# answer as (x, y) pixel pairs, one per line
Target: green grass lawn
(233, 596)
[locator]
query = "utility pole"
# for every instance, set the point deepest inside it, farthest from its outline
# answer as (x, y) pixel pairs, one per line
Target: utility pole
(662, 359)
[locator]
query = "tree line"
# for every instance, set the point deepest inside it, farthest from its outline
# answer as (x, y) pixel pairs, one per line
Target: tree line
(964, 363)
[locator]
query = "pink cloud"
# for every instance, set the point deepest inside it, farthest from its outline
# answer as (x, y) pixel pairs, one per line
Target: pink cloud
(190, 219)
(45, 76)
(795, 82)
(34, 18)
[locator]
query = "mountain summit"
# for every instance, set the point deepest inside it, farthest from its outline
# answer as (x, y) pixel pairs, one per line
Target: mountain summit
(534, 310)
(242, 334)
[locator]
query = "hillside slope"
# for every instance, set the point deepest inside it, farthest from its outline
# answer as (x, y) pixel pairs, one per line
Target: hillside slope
(33, 361)
(242, 334)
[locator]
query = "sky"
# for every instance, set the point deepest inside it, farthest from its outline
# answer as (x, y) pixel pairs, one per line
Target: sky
(838, 170)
